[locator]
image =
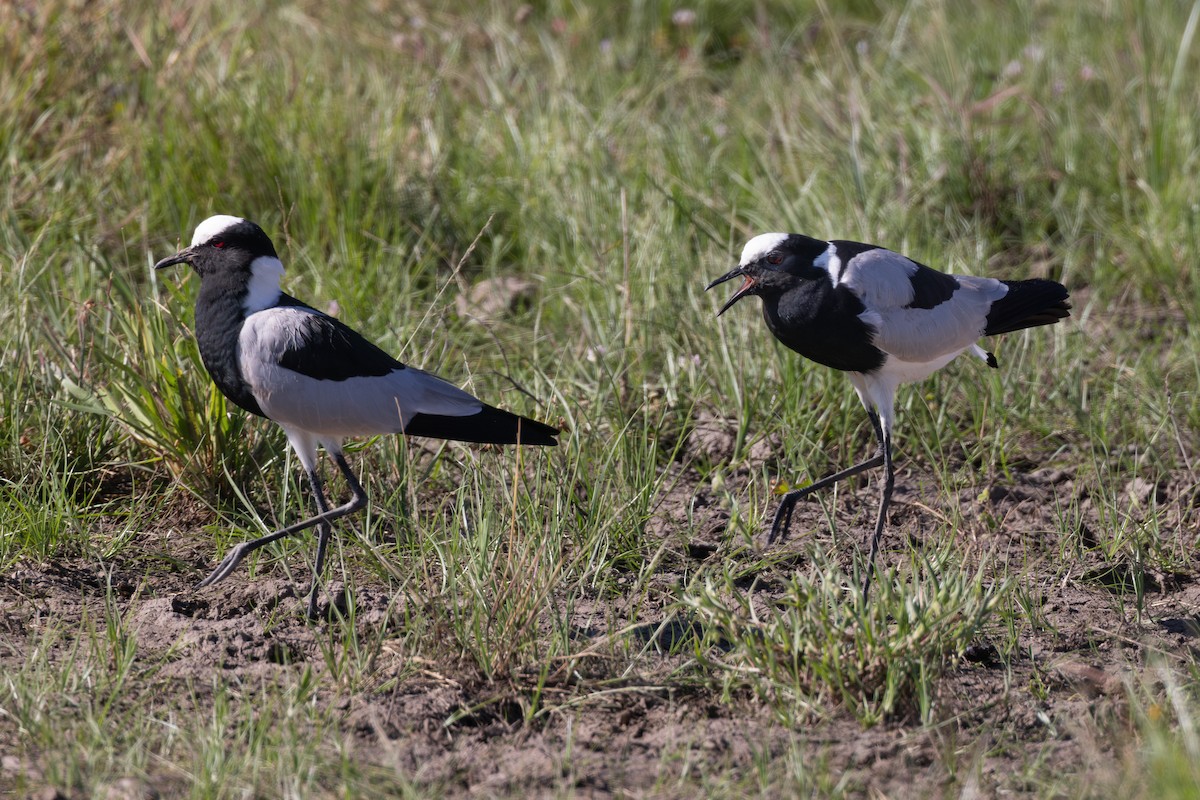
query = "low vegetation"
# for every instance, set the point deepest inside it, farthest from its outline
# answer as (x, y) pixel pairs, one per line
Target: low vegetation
(596, 620)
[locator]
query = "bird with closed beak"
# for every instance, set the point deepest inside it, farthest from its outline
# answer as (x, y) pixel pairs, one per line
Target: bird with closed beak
(319, 379)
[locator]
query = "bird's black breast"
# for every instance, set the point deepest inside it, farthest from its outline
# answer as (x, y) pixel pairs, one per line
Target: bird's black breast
(821, 322)
(219, 320)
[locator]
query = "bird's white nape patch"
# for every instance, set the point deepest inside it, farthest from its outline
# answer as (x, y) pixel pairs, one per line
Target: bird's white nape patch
(760, 245)
(831, 263)
(263, 289)
(212, 226)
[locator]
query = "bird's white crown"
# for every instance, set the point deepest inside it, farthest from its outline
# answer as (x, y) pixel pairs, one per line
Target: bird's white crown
(760, 245)
(213, 226)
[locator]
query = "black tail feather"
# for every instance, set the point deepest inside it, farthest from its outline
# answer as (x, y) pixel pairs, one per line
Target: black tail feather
(1028, 304)
(489, 426)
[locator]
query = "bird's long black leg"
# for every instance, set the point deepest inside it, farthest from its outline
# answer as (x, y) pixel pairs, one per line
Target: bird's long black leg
(783, 516)
(324, 532)
(238, 553)
(885, 499)
(877, 426)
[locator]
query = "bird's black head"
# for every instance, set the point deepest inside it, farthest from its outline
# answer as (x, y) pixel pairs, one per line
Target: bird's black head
(223, 244)
(772, 263)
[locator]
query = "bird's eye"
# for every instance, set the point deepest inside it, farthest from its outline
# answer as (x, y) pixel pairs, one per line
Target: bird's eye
(218, 244)
(775, 258)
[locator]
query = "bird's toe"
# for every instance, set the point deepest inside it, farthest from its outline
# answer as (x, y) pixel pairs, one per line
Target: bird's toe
(782, 521)
(226, 567)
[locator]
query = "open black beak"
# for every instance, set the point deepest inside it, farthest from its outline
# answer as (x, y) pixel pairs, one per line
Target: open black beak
(743, 290)
(182, 257)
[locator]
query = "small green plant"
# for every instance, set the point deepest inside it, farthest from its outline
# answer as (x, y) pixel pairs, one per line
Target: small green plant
(625, 153)
(502, 575)
(154, 387)
(816, 646)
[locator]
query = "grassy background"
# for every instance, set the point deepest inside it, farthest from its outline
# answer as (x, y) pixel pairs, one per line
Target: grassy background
(617, 155)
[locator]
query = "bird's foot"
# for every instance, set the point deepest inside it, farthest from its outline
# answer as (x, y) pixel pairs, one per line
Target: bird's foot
(337, 604)
(228, 565)
(312, 613)
(783, 518)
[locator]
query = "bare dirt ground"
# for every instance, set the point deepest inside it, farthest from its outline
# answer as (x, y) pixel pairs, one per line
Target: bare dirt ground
(1015, 729)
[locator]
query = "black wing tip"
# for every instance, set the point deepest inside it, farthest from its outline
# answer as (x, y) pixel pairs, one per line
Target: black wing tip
(488, 426)
(532, 432)
(1044, 288)
(991, 360)
(1028, 304)
(542, 441)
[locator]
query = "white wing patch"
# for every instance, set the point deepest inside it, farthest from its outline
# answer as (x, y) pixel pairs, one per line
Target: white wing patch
(881, 279)
(356, 406)
(331, 409)
(923, 335)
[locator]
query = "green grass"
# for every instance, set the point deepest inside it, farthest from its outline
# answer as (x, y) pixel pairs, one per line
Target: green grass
(74, 699)
(819, 650)
(618, 158)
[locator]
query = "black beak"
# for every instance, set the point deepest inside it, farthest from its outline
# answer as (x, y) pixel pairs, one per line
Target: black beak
(182, 257)
(747, 284)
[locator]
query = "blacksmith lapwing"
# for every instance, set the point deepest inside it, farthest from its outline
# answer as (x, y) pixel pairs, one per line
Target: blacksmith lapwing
(274, 356)
(882, 318)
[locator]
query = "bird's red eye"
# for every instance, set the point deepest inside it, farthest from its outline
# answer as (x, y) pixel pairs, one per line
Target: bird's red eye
(774, 258)
(218, 244)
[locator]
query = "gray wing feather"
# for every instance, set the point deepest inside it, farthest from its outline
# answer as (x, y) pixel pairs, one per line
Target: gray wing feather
(881, 279)
(351, 407)
(924, 334)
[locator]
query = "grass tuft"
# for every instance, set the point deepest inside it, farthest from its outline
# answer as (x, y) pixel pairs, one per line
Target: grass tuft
(814, 646)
